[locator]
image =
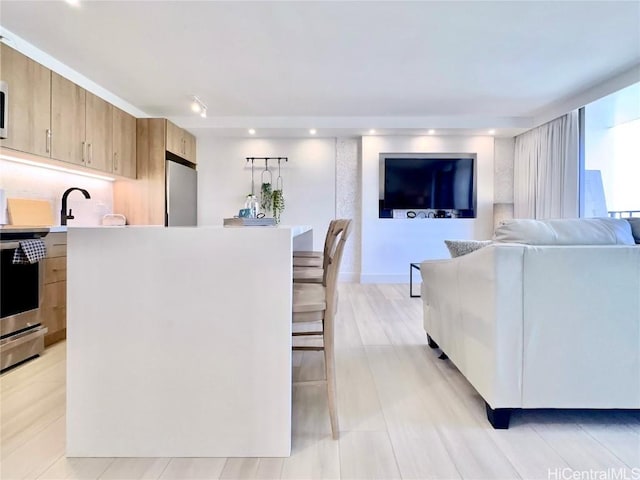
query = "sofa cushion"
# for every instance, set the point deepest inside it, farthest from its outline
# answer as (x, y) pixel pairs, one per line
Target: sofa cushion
(457, 248)
(571, 231)
(635, 228)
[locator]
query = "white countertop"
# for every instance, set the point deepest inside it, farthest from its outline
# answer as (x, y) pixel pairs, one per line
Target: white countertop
(296, 229)
(180, 341)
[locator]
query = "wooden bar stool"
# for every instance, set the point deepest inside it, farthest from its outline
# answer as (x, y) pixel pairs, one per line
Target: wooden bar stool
(314, 311)
(308, 267)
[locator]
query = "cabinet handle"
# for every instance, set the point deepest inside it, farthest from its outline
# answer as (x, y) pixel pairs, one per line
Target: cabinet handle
(90, 152)
(48, 141)
(115, 161)
(83, 154)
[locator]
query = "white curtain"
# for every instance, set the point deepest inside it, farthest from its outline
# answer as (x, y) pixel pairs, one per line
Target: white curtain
(546, 170)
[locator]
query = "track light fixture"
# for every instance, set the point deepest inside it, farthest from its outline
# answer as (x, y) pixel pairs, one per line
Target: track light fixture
(198, 106)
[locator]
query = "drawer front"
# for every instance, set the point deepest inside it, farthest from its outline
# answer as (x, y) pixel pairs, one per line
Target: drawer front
(56, 244)
(57, 251)
(53, 313)
(55, 269)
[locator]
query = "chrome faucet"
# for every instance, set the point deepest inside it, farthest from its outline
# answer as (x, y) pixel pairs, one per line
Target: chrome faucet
(64, 216)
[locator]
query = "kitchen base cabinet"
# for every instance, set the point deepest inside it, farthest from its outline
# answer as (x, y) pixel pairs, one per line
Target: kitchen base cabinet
(53, 310)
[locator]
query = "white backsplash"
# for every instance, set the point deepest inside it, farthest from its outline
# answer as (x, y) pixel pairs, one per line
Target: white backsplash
(26, 181)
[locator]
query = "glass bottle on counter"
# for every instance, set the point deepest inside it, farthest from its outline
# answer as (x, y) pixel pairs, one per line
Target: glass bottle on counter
(253, 205)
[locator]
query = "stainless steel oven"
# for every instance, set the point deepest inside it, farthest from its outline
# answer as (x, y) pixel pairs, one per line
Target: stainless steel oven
(21, 287)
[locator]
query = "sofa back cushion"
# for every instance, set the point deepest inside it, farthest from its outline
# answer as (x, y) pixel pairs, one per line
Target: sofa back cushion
(572, 231)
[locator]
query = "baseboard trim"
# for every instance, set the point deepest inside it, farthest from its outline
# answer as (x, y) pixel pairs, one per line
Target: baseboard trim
(348, 277)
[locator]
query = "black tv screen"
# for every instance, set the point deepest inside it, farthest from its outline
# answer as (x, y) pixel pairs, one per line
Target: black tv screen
(428, 183)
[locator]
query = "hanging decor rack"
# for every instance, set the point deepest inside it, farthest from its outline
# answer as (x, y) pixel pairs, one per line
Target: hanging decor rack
(266, 166)
(266, 159)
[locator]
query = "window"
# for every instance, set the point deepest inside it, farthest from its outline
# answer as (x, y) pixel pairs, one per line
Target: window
(611, 162)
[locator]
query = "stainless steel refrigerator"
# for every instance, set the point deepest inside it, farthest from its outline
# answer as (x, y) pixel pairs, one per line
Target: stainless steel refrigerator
(181, 207)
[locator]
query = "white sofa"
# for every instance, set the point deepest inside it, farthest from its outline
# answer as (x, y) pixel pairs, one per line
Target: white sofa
(552, 321)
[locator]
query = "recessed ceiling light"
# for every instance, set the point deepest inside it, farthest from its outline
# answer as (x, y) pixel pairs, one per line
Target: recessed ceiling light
(492, 131)
(203, 113)
(74, 3)
(313, 131)
(431, 131)
(195, 107)
(372, 132)
(252, 131)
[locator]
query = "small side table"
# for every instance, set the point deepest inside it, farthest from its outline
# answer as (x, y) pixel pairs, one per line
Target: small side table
(411, 267)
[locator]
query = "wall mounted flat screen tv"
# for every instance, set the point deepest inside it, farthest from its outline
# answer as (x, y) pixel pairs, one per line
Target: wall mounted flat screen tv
(428, 182)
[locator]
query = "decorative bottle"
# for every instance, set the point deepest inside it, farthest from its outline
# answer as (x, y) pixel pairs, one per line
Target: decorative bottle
(253, 205)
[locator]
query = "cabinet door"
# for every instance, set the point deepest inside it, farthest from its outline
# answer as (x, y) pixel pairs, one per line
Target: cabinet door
(124, 143)
(29, 102)
(53, 312)
(55, 269)
(99, 133)
(175, 141)
(190, 147)
(67, 120)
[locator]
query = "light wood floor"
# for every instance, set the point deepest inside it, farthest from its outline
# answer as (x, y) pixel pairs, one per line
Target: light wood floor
(403, 414)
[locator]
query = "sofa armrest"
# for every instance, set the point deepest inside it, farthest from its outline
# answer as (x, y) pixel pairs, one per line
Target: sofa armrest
(473, 310)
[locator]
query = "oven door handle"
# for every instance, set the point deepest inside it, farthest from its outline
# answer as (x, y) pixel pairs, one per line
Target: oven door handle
(9, 245)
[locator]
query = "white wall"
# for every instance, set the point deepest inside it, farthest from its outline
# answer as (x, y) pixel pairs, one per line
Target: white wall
(26, 181)
(224, 179)
(389, 245)
(321, 182)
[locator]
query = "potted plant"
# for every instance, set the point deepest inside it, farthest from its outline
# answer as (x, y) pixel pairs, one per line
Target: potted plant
(277, 200)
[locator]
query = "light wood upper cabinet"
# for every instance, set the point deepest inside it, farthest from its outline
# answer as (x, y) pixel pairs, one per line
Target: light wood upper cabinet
(180, 142)
(99, 133)
(67, 120)
(124, 143)
(174, 139)
(29, 102)
(190, 147)
(51, 116)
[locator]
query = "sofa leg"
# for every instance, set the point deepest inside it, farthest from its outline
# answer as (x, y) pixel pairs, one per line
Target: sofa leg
(498, 417)
(431, 343)
(443, 356)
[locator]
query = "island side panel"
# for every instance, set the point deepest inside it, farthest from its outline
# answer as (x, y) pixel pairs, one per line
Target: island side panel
(179, 342)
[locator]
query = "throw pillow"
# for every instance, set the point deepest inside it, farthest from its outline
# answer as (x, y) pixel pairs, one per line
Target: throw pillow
(635, 228)
(457, 248)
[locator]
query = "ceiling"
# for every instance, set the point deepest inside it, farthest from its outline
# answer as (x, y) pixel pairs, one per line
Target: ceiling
(349, 66)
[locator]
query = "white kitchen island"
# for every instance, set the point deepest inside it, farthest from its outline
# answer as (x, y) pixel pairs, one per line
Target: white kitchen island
(179, 341)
